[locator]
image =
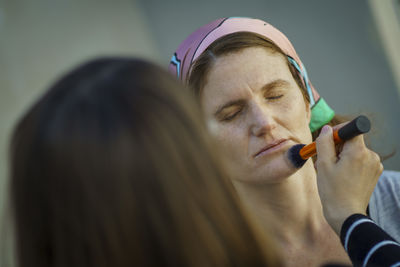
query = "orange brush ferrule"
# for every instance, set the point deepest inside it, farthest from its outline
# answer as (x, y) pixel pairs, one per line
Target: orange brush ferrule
(310, 150)
(299, 153)
(359, 125)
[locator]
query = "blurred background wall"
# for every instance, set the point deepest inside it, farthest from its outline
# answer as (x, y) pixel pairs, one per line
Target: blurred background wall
(344, 45)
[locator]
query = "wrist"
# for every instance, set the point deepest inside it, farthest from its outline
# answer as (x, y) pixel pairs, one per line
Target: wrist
(336, 217)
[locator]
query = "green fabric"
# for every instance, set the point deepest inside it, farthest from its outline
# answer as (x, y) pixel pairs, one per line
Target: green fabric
(321, 114)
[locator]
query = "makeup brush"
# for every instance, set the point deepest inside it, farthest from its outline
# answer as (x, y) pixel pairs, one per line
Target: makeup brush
(298, 154)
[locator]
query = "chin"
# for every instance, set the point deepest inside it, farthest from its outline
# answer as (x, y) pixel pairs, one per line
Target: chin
(275, 171)
(275, 175)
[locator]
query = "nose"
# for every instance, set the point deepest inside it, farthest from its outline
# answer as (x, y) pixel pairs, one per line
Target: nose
(262, 120)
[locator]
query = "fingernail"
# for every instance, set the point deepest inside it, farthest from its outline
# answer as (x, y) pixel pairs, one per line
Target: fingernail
(325, 129)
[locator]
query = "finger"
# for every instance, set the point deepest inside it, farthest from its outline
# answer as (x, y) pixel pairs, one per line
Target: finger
(325, 145)
(354, 144)
(377, 159)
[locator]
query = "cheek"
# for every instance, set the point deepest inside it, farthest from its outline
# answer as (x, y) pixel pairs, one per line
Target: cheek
(295, 114)
(230, 138)
(226, 135)
(296, 104)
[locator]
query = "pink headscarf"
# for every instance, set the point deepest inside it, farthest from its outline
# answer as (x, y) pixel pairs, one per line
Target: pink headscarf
(191, 48)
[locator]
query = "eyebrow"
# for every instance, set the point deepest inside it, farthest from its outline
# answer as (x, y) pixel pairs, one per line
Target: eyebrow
(276, 83)
(266, 87)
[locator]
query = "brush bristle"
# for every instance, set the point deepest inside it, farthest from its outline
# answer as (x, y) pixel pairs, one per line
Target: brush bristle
(294, 156)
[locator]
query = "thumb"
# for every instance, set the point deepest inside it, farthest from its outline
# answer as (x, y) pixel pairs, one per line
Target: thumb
(325, 145)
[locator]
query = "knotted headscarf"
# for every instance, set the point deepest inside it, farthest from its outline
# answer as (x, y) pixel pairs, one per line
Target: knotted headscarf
(191, 48)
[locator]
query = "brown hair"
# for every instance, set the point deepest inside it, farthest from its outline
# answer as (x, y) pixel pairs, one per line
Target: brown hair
(113, 167)
(233, 43)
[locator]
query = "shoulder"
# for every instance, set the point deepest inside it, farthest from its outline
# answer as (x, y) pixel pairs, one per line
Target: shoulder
(384, 205)
(389, 184)
(390, 176)
(387, 189)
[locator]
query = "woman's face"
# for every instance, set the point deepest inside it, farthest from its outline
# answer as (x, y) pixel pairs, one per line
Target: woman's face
(256, 110)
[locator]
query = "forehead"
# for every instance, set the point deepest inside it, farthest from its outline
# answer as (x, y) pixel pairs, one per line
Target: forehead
(249, 68)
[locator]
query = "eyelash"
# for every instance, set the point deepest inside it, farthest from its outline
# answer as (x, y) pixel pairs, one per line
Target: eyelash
(274, 97)
(231, 117)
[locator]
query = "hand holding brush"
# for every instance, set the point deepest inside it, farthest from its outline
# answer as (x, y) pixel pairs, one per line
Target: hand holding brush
(345, 181)
(298, 154)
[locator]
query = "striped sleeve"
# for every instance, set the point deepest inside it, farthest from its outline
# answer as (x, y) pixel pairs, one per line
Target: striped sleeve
(367, 244)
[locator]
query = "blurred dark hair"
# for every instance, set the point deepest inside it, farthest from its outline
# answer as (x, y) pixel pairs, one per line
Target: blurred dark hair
(113, 167)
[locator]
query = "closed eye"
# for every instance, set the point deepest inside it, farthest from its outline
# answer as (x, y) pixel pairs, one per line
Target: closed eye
(232, 115)
(273, 97)
(275, 90)
(230, 110)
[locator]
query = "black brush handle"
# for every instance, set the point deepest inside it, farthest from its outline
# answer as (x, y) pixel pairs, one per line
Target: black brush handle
(359, 125)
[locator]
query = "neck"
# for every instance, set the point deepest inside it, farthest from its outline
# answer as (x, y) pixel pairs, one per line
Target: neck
(293, 204)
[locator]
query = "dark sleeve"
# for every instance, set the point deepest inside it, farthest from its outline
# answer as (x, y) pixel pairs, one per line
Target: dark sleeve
(367, 244)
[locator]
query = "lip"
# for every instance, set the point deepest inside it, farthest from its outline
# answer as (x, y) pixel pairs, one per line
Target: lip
(271, 147)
